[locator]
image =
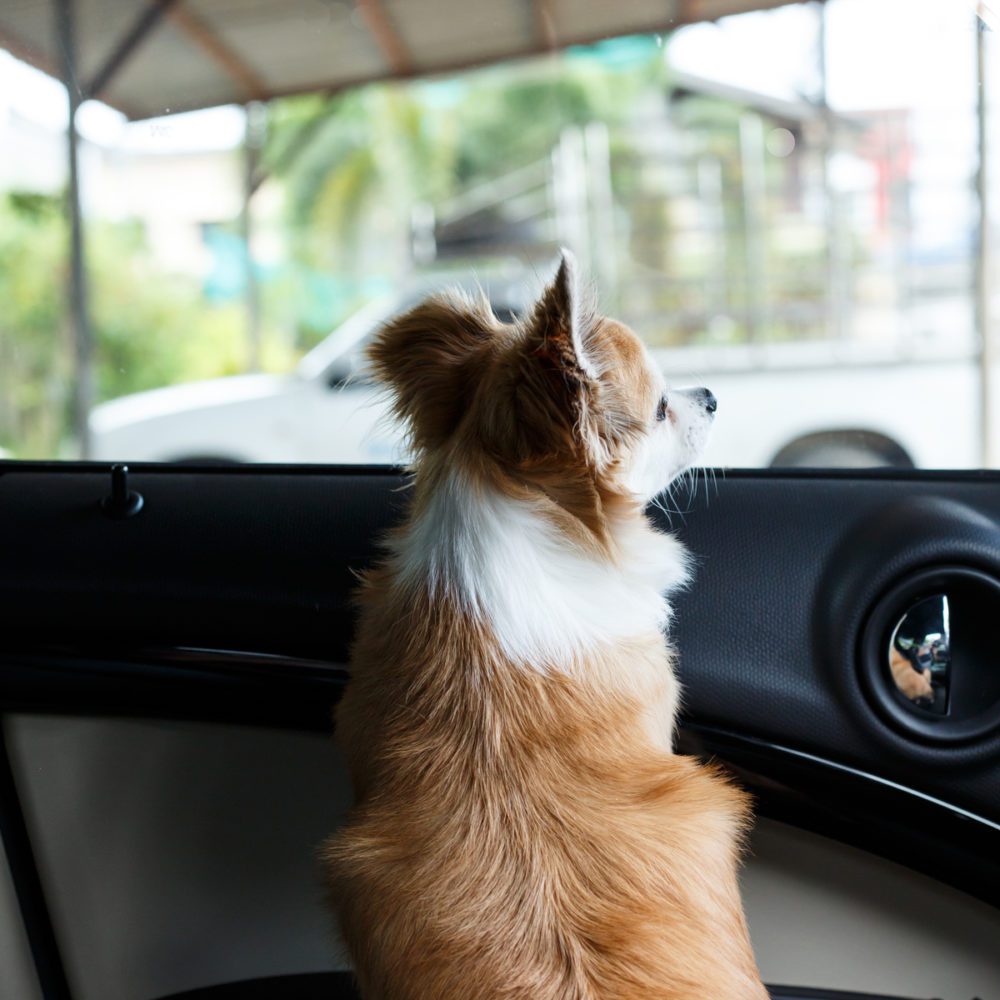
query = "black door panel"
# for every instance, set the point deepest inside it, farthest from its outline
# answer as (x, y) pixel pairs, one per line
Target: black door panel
(95, 612)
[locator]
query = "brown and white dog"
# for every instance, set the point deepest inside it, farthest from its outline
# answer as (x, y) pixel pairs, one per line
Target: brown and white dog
(523, 829)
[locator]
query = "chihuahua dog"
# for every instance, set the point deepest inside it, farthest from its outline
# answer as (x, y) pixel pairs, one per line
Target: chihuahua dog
(523, 829)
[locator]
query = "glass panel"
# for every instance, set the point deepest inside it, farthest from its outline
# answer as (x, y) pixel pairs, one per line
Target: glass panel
(791, 206)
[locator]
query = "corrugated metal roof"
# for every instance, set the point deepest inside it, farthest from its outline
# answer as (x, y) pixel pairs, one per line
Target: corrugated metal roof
(201, 53)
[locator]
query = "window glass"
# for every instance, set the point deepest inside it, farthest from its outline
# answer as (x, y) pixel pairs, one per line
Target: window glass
(791, 203)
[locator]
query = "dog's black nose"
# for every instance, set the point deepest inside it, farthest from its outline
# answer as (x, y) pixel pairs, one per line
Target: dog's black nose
(711, 403)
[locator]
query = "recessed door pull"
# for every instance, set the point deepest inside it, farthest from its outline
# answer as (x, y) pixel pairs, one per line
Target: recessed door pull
(122, 502)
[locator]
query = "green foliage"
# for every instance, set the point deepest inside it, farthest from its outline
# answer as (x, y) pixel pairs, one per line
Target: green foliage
(34, 348)
(353, 166)
(150, 329)
(154, 329)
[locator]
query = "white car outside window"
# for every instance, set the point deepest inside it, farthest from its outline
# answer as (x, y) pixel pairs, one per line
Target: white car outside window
(813, 403)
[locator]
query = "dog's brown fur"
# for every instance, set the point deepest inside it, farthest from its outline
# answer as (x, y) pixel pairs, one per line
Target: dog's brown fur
(519, 834)
(914, 684)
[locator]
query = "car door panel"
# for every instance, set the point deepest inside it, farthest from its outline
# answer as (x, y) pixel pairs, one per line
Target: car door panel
(227, 600)
(265, 560)
(179, 854)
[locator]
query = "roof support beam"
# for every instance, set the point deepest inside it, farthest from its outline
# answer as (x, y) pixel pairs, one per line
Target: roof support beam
(386, 36)
(142, 26)
(545, 24)
(216, 49)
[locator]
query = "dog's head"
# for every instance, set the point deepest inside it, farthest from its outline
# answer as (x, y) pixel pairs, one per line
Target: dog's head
(562, 396)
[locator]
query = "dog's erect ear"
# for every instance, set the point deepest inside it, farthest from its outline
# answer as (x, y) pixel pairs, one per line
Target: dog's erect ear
(557, 385)
(427, 357)
(556, 329)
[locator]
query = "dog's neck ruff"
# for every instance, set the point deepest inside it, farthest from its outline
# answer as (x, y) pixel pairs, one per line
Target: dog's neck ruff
(546, 601)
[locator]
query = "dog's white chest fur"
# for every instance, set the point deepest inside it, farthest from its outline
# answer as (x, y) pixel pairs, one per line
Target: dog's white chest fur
(546, 601)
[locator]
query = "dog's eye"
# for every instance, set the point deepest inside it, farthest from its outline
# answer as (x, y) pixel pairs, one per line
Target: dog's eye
(661, 409)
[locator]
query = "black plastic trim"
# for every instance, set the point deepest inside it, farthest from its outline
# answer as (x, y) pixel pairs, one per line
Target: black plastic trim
(897, 542)
(197, 685)
(860, 809)
(877, 473)
(802, 993)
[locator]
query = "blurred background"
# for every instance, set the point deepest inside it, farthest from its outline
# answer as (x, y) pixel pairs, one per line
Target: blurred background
(790, 202)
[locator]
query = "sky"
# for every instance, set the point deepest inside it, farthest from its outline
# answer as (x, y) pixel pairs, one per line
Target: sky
(38, 97)
(880, 54)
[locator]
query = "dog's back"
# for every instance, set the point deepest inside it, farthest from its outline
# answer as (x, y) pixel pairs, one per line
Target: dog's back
(515, 839)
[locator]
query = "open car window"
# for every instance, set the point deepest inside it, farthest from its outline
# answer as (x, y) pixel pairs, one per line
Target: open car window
(784, 206)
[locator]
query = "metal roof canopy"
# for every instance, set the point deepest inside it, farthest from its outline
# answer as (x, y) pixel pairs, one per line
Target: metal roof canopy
(163, 56)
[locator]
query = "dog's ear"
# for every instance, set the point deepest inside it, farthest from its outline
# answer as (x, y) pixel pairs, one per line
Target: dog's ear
(557, 330)
(427, 357)
(558, 387)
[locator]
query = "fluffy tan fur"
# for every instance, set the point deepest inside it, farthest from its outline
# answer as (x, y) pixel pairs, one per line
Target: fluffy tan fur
(912, 683)
(519, 833)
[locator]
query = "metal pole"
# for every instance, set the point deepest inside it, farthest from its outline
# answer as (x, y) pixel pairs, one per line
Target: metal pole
(570, 171)
(836, 284)
(597, 150)
(711, 198)
(752, 166)
(83, 339)
(423, 233)
(253, 141)
(983, 252)
(147, 20)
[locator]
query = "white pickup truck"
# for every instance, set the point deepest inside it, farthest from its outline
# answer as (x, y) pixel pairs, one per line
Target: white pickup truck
(793, 404)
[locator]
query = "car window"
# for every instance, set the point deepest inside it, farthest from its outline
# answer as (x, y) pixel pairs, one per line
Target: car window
(792, 203)
(341, 351)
